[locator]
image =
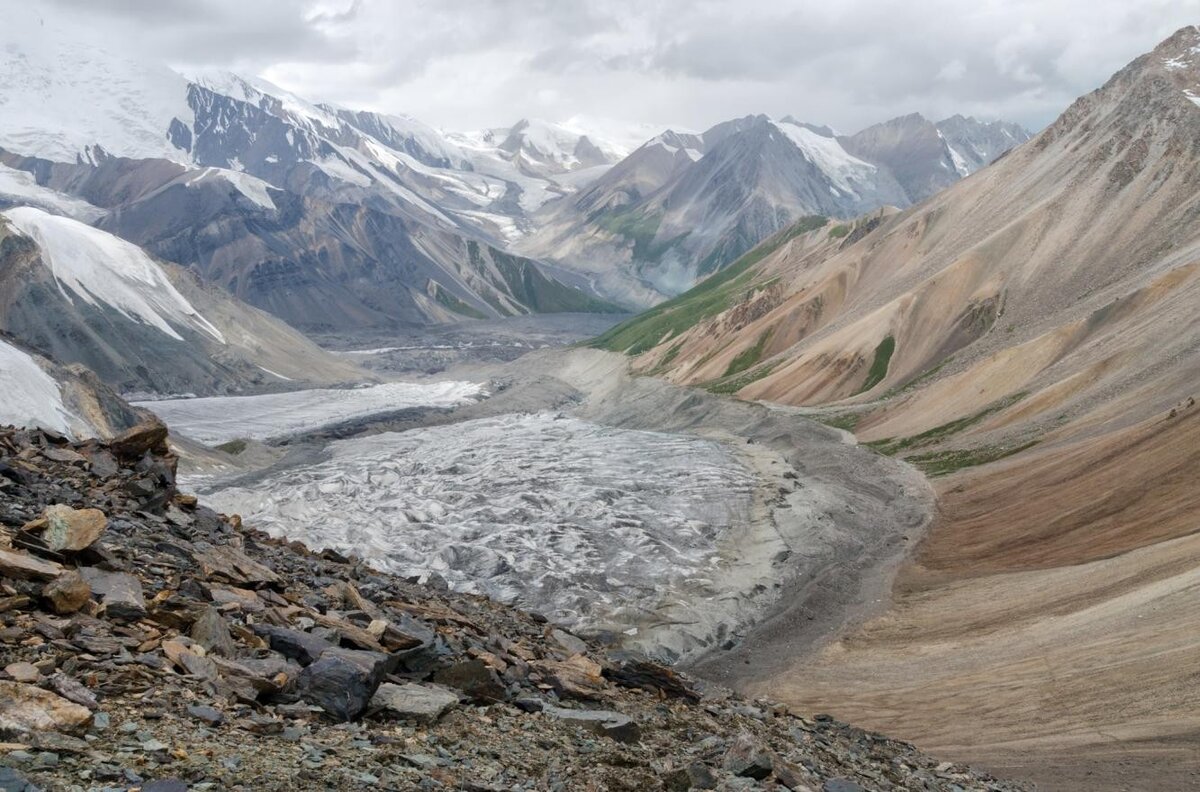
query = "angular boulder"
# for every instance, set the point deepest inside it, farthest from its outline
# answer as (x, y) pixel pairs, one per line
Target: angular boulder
(605, 723)
(744, 758)
(137, 440)
(211, 631)
(304, 648)
(576, 677)
(67, 593)
(338, 684)
(70, 530)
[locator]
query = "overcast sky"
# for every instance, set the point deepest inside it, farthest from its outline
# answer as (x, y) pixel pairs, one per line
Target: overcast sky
(464, 64)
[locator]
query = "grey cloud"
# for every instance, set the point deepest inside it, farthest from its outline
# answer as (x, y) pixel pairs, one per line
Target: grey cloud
(462, 63)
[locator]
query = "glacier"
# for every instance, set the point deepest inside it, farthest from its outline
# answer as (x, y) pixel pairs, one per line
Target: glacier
(596, 527)
(219, 419)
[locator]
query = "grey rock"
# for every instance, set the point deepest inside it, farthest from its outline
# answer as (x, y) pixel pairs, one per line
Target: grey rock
(205, 713)
(745, 758)
(570, 643)
(841, 785)
(339, 685)
(120, 593)
(166, 785)
(421, 703)
(211, 631)
(302, 647)
(13, 781)
(605, 723)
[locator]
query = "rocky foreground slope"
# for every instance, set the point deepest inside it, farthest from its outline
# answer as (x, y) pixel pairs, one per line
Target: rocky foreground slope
(149, 642)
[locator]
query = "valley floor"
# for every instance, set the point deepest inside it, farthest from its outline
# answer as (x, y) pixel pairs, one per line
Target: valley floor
(660, 518)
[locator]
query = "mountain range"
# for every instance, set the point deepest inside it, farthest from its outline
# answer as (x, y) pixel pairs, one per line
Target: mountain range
(684, 205)
(335, 219)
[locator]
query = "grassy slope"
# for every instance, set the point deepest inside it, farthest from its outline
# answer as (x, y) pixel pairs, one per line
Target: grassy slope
(708, 298)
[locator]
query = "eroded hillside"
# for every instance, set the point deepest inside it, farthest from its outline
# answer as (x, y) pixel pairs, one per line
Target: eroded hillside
(1029, 338)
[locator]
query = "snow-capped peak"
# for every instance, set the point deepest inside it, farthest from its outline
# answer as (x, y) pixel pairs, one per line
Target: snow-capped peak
(846, 171)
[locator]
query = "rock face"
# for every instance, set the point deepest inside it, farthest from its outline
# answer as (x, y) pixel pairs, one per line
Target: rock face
(296, 670)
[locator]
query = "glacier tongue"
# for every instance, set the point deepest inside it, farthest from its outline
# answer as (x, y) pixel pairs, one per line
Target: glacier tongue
(593, 526)
(218, 419)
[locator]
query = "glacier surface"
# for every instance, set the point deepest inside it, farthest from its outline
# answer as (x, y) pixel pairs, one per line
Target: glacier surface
(594, 526)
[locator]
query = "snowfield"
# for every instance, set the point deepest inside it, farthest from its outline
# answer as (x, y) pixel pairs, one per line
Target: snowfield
(28, 395)
(97, 267)
(219, 419)
(591, 525)
(59, 98)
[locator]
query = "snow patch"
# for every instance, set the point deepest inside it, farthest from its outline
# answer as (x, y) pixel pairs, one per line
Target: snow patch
(59, 98)
(960, 162)
(99, 268)
(20, 187)
(252, 187)
(843, 169)
(28, 395)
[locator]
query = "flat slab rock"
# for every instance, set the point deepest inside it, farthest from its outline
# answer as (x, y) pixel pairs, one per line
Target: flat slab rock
(21, 566)
(29, 709)
(604, 723)
(422, 703)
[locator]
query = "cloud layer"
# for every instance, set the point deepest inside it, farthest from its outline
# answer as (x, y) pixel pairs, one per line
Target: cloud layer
(472, 63)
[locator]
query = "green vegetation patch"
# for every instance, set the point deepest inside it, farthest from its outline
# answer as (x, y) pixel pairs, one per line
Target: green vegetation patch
(893, 446)
(748, 357)
(639, 228)
(943, 463)
(879, 366)
(704, 300)
(847, 420)
(529, 286)
(451, 302)
(728, 386)
(666, 360)
(839, 231)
